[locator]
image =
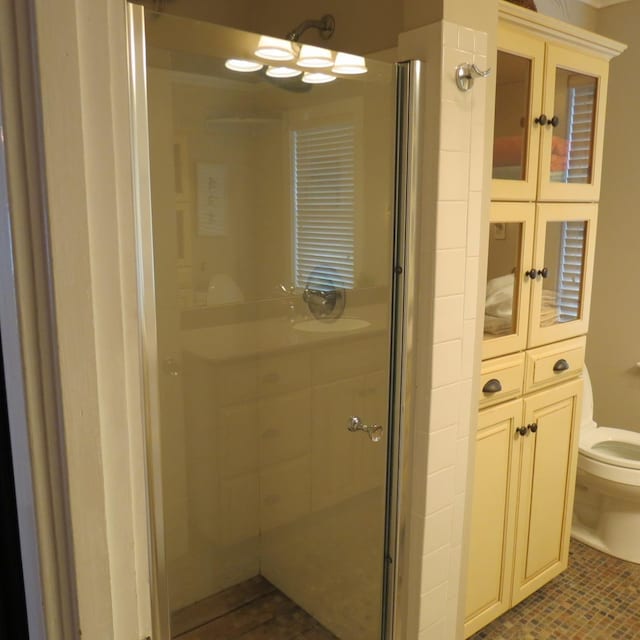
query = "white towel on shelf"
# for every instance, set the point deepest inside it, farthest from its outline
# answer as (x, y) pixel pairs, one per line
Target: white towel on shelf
(498, 306)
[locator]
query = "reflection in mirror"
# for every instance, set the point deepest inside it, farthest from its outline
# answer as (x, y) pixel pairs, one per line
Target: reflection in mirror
(572, 142)
(513, 79)
(271, 205)
(564, 256)
(500, 313)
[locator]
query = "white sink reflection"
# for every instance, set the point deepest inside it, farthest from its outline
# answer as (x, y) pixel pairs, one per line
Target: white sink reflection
(340, 325)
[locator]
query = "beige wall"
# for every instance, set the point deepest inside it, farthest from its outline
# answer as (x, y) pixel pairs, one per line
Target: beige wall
(361, 26)
(614, 341)
(572, 11)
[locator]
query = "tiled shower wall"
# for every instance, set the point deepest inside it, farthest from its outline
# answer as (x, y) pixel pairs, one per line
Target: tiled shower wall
(447, 327)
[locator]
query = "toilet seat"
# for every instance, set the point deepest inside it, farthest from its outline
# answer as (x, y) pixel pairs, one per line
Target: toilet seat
(620, 447)
(612, 454)
(606, 510)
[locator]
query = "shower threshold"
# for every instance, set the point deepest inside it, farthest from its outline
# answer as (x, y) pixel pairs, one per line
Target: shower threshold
(251, 610)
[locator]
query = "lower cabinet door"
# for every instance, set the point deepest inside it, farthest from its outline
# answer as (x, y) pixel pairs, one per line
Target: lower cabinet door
(493, 514)
(547, 483)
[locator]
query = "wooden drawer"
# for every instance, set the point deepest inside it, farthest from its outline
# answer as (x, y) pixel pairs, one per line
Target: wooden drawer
(505, 375)
(554, 363)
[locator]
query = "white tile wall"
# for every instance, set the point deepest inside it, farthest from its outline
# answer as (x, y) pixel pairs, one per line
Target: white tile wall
(450, 272)
(438, 511)
(448, 318)
(452, 230)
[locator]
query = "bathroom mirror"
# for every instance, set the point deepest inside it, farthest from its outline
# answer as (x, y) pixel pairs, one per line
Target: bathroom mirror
(513, 80)
(501, 304)
(572, 142)
(564, 263)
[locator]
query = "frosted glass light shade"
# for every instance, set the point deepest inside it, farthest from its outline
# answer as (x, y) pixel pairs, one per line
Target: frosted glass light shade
(283, 72)
(349, 64)
(274, 49)
(314, 57)
(243, 66)
(314, 77)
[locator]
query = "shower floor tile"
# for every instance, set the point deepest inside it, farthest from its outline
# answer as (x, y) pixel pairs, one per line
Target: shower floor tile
(596, 598)
(251, 610)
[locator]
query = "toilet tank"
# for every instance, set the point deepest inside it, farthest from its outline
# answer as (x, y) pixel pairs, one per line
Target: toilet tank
(587, 421)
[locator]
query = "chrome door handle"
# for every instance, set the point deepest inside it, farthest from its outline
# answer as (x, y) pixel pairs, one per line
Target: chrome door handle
(375, 431)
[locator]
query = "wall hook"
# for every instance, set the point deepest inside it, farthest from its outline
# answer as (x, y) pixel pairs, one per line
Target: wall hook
(466, 73)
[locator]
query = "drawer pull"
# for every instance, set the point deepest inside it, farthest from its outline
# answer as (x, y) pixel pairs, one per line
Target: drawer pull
(561, 365)
(492, 386)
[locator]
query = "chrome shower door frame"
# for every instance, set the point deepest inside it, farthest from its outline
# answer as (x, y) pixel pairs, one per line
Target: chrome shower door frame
(408, 91)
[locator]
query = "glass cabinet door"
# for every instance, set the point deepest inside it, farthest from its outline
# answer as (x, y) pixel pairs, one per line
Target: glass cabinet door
(508, 287)
(571, 153)
(563, 260)
(519, 75)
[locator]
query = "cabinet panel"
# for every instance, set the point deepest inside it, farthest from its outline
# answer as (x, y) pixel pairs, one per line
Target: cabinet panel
(571, 147)
(507, 372)
(508, 288)
(554, 363)
(547, 475)
(563, 255)
(519, 77)
(492, 515)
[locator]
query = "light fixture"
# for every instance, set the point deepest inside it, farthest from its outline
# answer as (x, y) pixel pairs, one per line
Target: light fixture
(314, 57)
(315, 77)
(325, 26)
(244, 66)
(283, 72)
(349, 64)
(275, 49)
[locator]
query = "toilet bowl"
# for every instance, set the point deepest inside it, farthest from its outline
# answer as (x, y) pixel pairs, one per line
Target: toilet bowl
(606, 513)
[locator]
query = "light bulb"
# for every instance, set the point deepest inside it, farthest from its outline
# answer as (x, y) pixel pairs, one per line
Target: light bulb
(314, 57)
(243, 66)
(283, 72)
(274, 49)
(349, 64)
(314, 77)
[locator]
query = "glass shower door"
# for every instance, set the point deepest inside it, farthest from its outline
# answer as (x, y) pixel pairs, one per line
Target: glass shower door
(271, 214)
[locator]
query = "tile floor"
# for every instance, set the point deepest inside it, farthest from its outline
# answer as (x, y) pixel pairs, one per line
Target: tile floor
(251, 610)
(596, 598)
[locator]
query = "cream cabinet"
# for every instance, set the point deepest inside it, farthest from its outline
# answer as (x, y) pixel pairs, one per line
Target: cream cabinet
(551, 84)
(539, 274)
(526, 454)
(551, 89)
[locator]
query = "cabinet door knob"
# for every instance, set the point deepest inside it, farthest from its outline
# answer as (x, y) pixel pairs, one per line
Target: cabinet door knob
(522, 431)
(544, 272)
(532, 273)
(554, 122)
(492, 386)
(533, 427)
(541, 119)
(561, 365)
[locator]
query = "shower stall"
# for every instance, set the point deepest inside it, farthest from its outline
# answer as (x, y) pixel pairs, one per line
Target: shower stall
(272, 223)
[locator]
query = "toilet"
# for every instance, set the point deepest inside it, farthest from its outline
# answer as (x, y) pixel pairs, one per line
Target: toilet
(606, 513)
